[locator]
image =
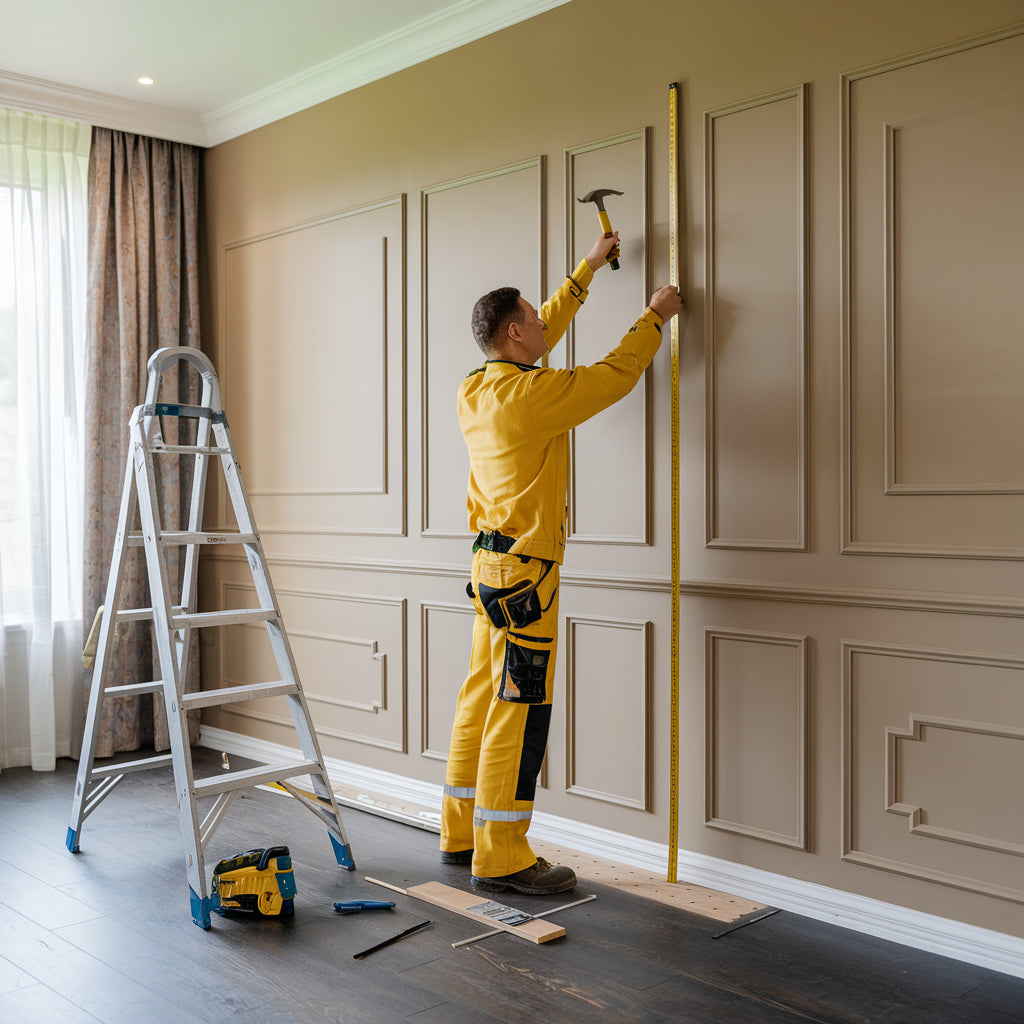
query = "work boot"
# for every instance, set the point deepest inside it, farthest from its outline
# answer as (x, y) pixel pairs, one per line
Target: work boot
(464, 857)
(541, 877)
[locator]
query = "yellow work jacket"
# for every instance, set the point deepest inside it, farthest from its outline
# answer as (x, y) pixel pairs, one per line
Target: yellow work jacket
(516, 418)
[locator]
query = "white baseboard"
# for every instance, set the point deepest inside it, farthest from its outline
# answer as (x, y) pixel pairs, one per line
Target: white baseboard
(968, 943)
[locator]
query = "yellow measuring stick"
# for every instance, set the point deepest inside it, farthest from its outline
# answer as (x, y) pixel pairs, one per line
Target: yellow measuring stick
(673, 245)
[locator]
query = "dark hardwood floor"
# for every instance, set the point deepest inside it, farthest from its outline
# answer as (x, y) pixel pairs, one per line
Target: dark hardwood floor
(105, 935)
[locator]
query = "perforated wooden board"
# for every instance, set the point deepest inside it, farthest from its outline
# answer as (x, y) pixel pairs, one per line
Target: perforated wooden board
(694, 899)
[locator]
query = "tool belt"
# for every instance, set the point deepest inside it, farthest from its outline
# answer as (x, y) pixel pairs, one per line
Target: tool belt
(493, 541)
(515, 606)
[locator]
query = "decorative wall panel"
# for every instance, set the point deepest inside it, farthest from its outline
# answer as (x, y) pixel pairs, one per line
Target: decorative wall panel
(756, 729)
(506, 204)
(314, 371)
(614, 445)
(937, 384)
(756, 358)
(350, 654)
(930, 736)
(934, 419)
(447, 633)
(608, 676)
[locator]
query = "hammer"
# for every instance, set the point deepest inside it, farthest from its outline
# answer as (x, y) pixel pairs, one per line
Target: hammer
(597, 198)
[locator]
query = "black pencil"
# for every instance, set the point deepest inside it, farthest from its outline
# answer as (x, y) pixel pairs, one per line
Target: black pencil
(394, 938)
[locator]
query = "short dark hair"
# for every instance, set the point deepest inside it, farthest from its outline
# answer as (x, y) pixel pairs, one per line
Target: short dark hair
(493, 313)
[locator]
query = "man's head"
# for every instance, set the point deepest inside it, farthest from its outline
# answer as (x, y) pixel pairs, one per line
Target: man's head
(506, 326)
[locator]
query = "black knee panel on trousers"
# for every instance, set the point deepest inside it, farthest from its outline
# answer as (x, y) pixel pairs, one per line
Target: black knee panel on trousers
(535, 741)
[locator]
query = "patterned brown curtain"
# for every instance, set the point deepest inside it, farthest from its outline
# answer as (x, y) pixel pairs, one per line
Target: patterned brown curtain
(143, 295)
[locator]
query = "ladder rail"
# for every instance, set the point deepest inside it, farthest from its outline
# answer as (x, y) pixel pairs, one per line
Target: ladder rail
(101, 663)
(281, 646)
(171, 664)
(197, 501)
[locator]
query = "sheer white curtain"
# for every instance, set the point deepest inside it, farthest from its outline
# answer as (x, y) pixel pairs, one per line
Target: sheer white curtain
(43, 213)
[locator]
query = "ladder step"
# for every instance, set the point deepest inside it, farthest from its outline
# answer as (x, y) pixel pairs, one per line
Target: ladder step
(225, 618)
(218, 784)
(180, 537)
(134, 689)
(233, 694)
(140, 614)
(162, 761)
(184, 537)
(186, 449)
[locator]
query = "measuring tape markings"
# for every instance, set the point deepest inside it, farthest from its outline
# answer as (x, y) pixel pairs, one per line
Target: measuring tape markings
(673, 221)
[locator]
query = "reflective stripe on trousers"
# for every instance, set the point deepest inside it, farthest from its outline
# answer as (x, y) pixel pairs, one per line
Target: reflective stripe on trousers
(482, 814)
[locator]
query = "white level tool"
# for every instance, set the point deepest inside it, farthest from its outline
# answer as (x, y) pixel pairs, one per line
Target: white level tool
(173, 623)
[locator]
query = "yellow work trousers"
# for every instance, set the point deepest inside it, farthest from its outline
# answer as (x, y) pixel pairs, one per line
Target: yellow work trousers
(503, 714)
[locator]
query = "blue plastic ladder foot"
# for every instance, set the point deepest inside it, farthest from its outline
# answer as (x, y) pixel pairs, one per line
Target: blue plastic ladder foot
(342, 852)
(72, 841)
(200, 909)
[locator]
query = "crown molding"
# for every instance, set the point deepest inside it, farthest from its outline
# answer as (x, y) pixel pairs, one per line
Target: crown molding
(462, 22)
(412, 44)
(38, 96)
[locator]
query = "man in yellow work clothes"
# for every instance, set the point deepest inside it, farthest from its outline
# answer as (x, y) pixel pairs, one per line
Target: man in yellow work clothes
(515, 418)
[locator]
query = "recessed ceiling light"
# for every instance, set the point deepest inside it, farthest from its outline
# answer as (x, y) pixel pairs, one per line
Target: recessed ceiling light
(144, 80)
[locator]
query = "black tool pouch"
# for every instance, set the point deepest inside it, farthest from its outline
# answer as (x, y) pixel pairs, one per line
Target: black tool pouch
(524, 674)
(510, 606)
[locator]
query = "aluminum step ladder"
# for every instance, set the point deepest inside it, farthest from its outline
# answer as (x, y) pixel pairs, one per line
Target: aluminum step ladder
(172, 629)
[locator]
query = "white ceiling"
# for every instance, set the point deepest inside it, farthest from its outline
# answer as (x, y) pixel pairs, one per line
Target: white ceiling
(221, 67)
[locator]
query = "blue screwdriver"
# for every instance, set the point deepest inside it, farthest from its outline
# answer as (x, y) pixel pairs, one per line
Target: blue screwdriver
(358, 906)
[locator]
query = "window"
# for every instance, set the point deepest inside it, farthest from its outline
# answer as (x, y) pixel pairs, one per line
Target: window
(43, 253)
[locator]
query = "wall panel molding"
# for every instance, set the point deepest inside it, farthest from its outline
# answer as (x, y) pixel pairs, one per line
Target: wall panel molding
(448, 295)
(868, 527)
(633, 704)
(387, 265)
(740, 242)
(916, 814)
(602, 581)
(376, 660)
(796, 757)
(944, 869)
(894, 216)
(591, 459)
(994, 605)
(858, 597)
(438, 608)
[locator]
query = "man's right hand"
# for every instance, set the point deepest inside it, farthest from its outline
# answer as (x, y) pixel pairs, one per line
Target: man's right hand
(666, 302)
(604, 249)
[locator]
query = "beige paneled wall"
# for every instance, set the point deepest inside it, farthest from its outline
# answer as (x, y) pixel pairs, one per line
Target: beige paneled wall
(851, 688)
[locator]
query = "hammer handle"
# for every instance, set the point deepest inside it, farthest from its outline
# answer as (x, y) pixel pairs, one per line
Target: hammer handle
(606, 227)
